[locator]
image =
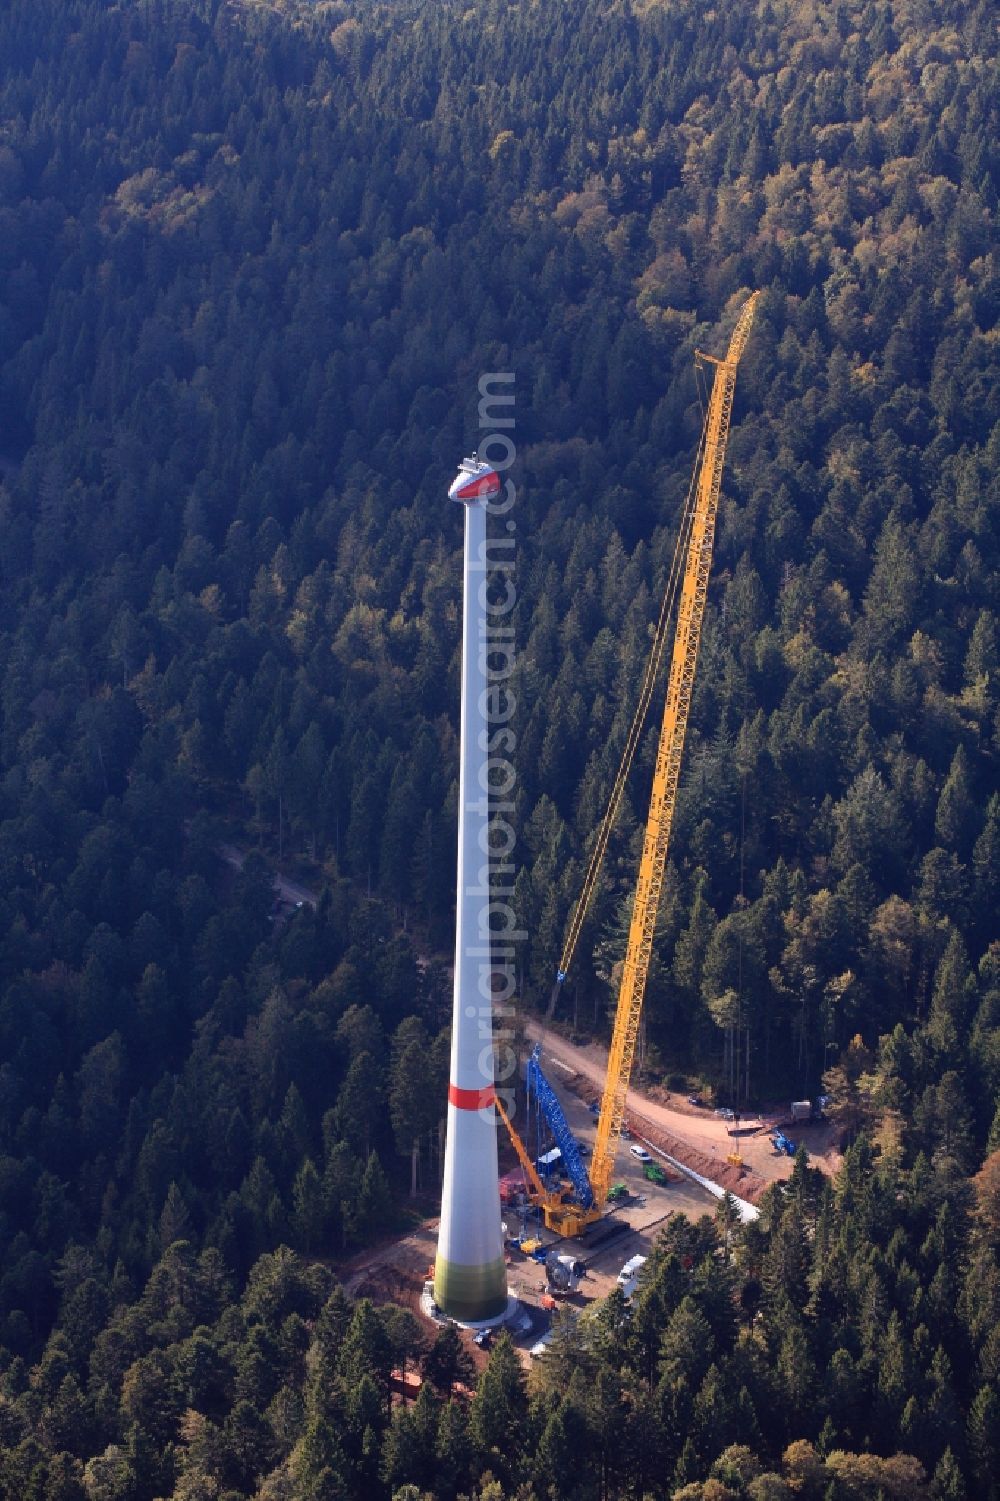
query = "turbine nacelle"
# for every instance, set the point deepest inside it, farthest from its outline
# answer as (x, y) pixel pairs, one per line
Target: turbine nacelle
(474, 481)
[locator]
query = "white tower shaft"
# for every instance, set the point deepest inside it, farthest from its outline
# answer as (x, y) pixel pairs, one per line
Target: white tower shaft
(470, 1277)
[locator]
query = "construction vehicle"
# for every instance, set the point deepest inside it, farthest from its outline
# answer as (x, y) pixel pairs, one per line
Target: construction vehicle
(628, 1277)
(563, 1273)
(547, 1102)
(536, 1188)
(568, 1211)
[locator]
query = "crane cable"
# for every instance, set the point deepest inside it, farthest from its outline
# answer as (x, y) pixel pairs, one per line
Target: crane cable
(635, 730)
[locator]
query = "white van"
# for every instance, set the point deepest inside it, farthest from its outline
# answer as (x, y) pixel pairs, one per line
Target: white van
(629, 1274)
(540, 1346)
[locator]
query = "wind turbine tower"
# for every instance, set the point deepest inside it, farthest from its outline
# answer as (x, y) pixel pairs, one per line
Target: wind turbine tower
(470, 1276)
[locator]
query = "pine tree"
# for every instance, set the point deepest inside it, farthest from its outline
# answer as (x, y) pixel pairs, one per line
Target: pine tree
(452, 1452)
(307, 1206)
(986, 867)
(448, 1361)
(175, 1220)
(981, 659)
(498, 1412)
(955, 819)
(984, 1443)
(952, 1000)
(374, 1211)
(409, 1447)
(413, 1108)
(359, 1104)
(948, 1483)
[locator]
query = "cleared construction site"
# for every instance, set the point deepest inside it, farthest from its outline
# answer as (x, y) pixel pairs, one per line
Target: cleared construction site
(575, 1204)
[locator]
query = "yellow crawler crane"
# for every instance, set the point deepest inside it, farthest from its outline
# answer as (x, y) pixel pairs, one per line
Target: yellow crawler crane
(560, 1214)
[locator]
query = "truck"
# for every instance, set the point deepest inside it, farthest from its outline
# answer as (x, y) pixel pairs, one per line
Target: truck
(628, 1277)
(549, 1162)
(802, 1111)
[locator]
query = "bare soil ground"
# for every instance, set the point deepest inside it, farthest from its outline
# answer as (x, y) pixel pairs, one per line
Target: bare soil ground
(394, 1271)
(695, 1136)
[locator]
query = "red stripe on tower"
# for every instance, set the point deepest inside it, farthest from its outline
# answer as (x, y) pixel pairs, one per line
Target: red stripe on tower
(471, 1099)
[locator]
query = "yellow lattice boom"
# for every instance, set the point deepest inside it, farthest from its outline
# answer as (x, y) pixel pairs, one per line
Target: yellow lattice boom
(666, 777)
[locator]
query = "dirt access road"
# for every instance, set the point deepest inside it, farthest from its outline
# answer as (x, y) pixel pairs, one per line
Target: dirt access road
(291, 893)
(699, 1138)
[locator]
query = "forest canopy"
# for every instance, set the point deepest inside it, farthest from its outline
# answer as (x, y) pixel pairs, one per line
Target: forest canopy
(253, 262)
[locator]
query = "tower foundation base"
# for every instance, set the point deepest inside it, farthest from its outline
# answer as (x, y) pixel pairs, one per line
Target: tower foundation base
(471, 1294)
(514, 1317)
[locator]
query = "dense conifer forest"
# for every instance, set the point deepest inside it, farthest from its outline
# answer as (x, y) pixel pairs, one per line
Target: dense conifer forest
(253, 260)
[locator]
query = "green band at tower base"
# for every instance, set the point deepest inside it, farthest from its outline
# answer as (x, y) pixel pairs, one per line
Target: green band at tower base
(470, 1294)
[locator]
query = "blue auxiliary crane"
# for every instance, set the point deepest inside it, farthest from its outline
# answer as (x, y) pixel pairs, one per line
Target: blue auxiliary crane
(548, 1104)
